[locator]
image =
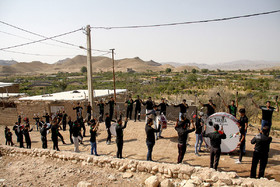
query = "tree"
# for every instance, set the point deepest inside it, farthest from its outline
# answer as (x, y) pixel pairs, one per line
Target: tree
(194, 70)
(204, 70)
(185, 71)
(168, 70)
(84, 69)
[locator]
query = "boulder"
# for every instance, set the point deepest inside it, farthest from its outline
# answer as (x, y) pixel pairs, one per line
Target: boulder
(127, 175)
(84, 184)
(166, 183)
(152, 182)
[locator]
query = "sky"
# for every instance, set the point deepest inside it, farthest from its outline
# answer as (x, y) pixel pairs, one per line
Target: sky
(254, 38)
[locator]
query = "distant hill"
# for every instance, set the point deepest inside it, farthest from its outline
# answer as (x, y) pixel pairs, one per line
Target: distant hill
(7, 62)
(75, 64)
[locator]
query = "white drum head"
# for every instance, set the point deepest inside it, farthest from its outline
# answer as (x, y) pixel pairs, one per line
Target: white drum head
(229, 123)
(113, 129)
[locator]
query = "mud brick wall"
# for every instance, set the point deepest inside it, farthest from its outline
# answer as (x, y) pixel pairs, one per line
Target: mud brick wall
(10, 89)
(8, 116)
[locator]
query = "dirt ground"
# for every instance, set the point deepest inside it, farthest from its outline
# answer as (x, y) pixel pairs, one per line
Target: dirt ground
(165, 150)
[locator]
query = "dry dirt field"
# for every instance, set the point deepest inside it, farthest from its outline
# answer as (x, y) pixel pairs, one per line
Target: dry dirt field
(165, 150)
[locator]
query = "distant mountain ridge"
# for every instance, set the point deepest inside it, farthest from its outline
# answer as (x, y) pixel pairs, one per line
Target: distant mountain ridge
(7, 62)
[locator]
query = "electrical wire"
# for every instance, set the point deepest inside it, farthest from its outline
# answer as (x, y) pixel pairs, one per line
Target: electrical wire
(20, 45)
(187, 22)
(34, 54)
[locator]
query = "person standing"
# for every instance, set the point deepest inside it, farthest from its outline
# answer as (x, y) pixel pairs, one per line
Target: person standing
(20, 136)
(260, 154)
(243, 126)
(149, 106)
(43, 132)
(119, 137)
(70, 124)
(182, 129)
(138, 102)
(16, 129)
(111, 104)
(108, 126)
(267, 112)
(198, 133)
(9, 139)
(64, 120)
(93, 131)
(215, 140)
(19, 119)
(37, 121)
(211, 107)
(129, 108)
(76, 133)
(150, 140)
(27, 137)
(89, 108)
(79, 111)
(232, 108)
(163, 106)
(183, 109)
(54, 130)
(101, 106)
(47, 117)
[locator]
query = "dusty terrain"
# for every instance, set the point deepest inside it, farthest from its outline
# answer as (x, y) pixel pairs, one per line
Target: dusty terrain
(165, 150)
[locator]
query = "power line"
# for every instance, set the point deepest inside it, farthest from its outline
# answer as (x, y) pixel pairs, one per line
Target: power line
(34, 54)
(187, 22)
(20, 45)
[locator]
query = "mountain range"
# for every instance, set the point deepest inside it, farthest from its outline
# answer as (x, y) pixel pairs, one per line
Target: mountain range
(104, 64)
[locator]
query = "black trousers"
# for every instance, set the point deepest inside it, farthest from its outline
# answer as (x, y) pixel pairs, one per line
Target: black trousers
(120, 148)
(71, 134)
(215, 154)
(137, 112)
(21, 143)
(129, 112)
(241, 154)
(262, 157)
(109, 135)
(44, 142)
(28, 144)
(64, 125)
(181, 150)
(61, 137)
(55, 143)
(101, 112)
(150, 146)
(111, 113)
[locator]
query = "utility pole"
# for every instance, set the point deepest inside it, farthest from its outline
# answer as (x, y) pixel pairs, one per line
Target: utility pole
(114, 78)
(89, 68)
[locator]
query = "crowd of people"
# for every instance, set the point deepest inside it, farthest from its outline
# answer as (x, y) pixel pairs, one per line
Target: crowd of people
(155, 122)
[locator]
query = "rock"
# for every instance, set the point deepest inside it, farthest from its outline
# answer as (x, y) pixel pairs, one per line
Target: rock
(2, 180)
(84, 163)
(74, 161)
(84, 184)
(249, 184)
(206, 184)
(122, 168)
(127, 175)
(226, 181)
(152, 181)
(112, 178)
(166, 183)
(189, 184)
(140, 168)
(89, 160)
(155, 169)
(133, 169)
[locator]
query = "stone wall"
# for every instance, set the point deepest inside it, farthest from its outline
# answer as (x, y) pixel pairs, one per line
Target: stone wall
(10, 89)
(188, 175)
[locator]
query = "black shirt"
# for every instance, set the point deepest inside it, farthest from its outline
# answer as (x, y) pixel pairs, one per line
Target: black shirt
(210, 109)
(76, 130)
(89, 109)
(215, 138)
(108, 122)
(70, 123)
(129, 103)
(138, 103)
(54, 130)
(183, 107)
(64, 117)
(150, 132)
(198, 125)
(36, 119)
(79, 110)
(111, 104)
(162, 107)
(119, 131)
(262, 143)
(47, 118)
(183, 133)
(267, 113)
(149, 104)
(101, 106)
(92, 135)
(44, 130)
(242, 121)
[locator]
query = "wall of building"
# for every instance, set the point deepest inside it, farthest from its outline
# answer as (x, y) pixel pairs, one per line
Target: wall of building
(14, 88)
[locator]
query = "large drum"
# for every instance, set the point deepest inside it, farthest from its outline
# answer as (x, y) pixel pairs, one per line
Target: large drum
(230, 125)
(113, 129)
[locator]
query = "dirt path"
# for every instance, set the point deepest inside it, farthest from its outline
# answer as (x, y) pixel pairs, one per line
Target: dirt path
(165, 149)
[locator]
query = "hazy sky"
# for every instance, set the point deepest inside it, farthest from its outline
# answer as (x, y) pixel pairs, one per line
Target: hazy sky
(254, 38)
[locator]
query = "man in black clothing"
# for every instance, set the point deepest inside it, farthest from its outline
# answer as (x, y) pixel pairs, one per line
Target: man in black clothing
(47, 117)
(27, 137)
(79, 111)
(183, 109)
(267, 112)
(64, 120)
(93, 131)
(20, 136)
(149, 106)
(163, 106)
(211, 107)
(129, 108)
(37, 120)
(16, 129)
(150, 140)
(19, 119)
(101, 106)
(108, 125)
(119, 137)
(183, 131)
(54, 130)
(111, 104)
(243, 125)
(43, 132)
(198, 133)
(262, 142)
(70, 124)
(76, 134)
(215, 140)
(88, 112)
(232, 108)
(138, 102)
